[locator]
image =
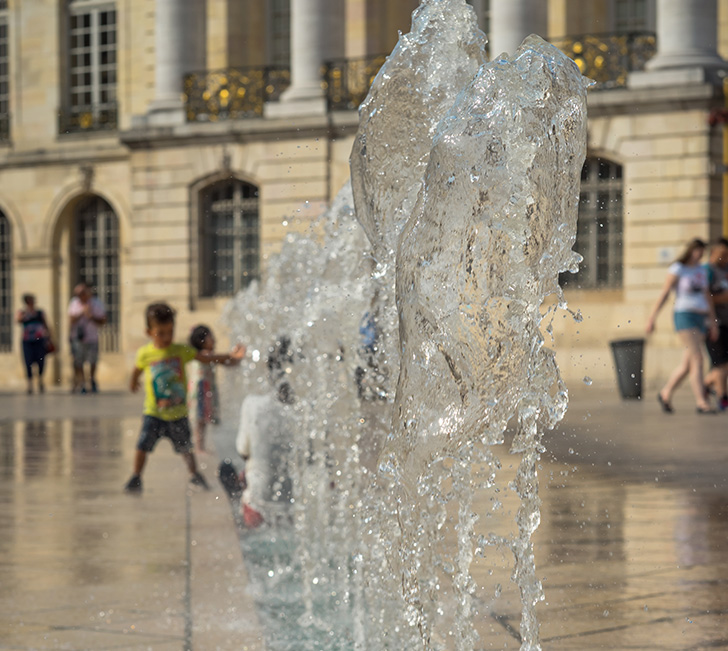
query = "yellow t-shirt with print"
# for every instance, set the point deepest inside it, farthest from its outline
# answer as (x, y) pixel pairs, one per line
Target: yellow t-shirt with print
(165, 380)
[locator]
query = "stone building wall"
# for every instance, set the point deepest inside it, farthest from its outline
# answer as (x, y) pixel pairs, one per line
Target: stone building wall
(671, 160)
(151, 175)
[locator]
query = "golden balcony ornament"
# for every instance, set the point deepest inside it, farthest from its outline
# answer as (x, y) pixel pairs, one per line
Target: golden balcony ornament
(233, 93)
(609, 58)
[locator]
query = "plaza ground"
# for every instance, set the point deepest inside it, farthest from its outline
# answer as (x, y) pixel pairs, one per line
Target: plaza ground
(632, 547)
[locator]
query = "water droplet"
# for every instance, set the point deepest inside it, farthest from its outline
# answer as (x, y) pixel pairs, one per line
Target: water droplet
(587, 380)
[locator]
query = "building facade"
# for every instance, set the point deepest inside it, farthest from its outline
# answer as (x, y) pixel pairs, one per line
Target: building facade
(162, 149)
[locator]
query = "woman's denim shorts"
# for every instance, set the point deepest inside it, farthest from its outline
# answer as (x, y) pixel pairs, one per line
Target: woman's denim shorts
(690, 321)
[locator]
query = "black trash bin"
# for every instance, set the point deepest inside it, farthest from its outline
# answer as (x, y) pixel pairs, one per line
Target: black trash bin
(628, 355)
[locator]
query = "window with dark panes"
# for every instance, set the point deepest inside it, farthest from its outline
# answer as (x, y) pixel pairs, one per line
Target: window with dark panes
(229, 237)
(279, 32)
(4, 73)
(634, 15)
(96, 260)
(6, 295)
(599, 228)
(92, 66)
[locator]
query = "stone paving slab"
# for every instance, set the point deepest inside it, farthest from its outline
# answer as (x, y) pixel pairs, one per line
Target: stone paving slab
(632, 547)
(85, 566)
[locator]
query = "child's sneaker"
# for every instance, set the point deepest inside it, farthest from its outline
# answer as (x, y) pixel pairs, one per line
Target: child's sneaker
(198, 480)
(134, 485)
(723, 403)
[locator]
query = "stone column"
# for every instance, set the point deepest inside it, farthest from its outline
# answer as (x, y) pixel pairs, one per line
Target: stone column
(687, 46)
(687, 35)
(310, 35)
(512, 20)
(180, 47)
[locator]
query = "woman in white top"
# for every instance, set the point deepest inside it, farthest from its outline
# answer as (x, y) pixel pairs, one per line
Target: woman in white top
(693, 314)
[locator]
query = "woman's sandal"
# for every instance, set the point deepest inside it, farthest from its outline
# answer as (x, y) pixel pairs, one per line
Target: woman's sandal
(702, 410)
(666, 406)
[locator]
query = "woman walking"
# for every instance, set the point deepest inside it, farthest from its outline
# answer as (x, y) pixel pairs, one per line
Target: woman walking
(35, 340)
(693, 315)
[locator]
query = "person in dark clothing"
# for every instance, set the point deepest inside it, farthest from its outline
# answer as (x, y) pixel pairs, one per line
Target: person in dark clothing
(36, 338)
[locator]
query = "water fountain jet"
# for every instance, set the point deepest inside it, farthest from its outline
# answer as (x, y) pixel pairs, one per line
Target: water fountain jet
(465, 178)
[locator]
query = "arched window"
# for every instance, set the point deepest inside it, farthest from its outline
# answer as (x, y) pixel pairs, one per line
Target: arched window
(229, 237)
(599, 228)
(96, 258)
(6, 294)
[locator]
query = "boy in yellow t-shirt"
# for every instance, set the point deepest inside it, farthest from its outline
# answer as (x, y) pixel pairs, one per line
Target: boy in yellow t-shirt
(165, 404)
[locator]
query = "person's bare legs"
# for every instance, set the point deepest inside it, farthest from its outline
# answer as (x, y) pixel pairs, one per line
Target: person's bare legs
(717, 380)
(676, 378)
(692, 365)
(79, 381)
(134, 485)
(712, 379)
(41, 368)
(191, 462)
(693, 341)
(140, 458)
(92, 377)
(200, 436)
(196, 478)
(721, 384)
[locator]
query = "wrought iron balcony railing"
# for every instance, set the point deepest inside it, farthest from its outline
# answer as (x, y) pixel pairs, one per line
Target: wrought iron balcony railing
(347, 81)
(84, 119)
(609, 58)
(241, 92)
(233, 92)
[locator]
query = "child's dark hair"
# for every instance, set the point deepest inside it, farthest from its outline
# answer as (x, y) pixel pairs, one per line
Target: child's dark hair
(198, 336)
(159, 313)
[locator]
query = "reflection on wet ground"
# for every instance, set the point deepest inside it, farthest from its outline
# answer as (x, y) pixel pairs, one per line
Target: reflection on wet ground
(85, 566)
(633, 544)
(53, 478)
(632, 548)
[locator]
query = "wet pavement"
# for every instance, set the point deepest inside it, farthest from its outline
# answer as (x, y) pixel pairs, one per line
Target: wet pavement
(632, 548)
(85, 566)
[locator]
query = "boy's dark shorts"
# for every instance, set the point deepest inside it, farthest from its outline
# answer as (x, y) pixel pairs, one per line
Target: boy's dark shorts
(177, 431)
(718, 349)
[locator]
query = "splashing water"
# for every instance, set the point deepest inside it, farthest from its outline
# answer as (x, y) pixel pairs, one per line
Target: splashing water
(417, 336)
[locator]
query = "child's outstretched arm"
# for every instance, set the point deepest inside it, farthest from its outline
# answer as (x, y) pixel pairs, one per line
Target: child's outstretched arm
(134, 382)
(229, 359)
